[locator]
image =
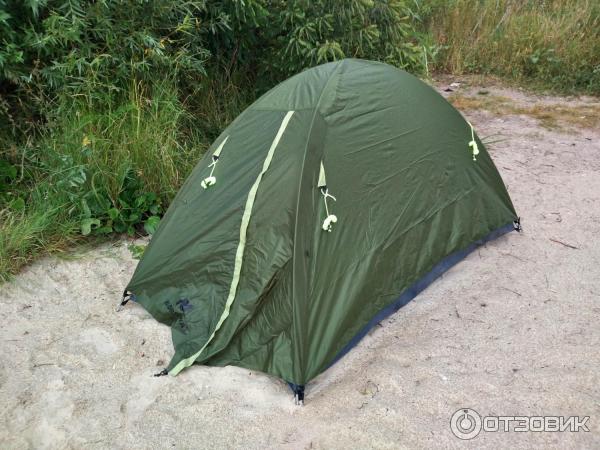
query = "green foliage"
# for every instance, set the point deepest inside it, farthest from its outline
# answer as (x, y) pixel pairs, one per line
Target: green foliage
(137, 251)
(306, 33)
(10, 195)
(116, 169)
(8, 174)
(133, 207)
(40, 227)
(55, 50)
(551, 43)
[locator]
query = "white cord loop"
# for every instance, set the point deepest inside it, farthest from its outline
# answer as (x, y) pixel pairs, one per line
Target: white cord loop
(331, 218)
(473, 143)
(322, 185)
(211, 180)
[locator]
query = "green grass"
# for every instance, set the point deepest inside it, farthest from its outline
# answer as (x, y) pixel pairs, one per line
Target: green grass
(143, 133)
(558, 116)
(40, 229)
(552, 44)
(111, 167)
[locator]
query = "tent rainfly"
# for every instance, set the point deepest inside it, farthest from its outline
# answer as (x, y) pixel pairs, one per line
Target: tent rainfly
(328, 204)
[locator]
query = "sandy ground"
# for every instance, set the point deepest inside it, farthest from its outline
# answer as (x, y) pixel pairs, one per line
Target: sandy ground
(512, 330)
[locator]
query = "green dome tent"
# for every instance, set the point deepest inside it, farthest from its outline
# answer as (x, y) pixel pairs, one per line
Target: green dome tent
(328, 204)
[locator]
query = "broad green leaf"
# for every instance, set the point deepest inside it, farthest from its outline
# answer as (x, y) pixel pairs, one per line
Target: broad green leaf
(106, 229)
(7, 170)
(18, 204)
(87, 224)
(113, 213)
(151, 224)
(86, 209)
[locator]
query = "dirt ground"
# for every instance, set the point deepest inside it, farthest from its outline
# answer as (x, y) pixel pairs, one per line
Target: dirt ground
(513, 330)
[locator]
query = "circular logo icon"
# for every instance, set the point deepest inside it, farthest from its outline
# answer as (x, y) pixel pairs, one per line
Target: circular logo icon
(465, 423)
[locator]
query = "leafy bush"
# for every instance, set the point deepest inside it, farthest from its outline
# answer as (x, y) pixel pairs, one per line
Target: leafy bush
(117, 168)
(133, 207)
(57, 50)
(100, 49)
(304, 33)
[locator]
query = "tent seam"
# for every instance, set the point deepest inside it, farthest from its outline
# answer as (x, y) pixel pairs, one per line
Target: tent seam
(299, 189)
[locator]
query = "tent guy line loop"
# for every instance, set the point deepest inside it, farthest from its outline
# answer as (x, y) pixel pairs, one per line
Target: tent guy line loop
(211, 179)
(127, 295)
(322, 185)
(327, 194)
(331, 218)
(473, 143)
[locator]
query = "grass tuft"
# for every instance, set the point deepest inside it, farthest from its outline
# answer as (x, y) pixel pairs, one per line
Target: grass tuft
(553, 44)
(113, 167)
(550, 116)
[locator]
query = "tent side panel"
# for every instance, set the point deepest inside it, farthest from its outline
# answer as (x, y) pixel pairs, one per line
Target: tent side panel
(185, 276)
(408, 195)
(260, 332)
(417, 287)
